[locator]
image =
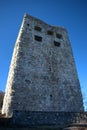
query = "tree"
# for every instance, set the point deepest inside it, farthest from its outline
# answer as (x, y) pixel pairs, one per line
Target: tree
(84, 93)
(1, 99)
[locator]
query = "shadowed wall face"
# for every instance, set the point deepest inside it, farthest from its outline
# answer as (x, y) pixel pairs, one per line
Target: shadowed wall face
(42, 74)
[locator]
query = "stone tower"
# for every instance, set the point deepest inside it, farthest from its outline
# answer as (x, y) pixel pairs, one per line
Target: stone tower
(42, 74)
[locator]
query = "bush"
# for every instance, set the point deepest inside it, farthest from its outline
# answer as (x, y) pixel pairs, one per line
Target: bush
(1, 99)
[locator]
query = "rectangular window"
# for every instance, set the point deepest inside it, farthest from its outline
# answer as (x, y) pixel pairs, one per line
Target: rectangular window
(58, 35)
(38, 38)
(49, 32)
(57, 44)
(37, 28)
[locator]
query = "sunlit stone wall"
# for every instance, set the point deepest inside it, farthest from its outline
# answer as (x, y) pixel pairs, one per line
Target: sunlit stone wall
(42, 74)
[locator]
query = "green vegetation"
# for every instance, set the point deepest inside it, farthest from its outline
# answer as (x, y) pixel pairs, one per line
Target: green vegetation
(1, 99)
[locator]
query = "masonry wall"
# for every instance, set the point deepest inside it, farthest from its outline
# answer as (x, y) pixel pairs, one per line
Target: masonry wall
(55, 119)
(42, 74)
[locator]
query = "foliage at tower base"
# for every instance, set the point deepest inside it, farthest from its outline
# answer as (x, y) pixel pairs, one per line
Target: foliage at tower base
(1, 99)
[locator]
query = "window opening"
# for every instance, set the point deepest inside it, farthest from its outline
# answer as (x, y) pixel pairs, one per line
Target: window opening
(38, 38)
(37, 28)
(58, 35)
(28, 24)
(49, 32)
(50, 96)
(57, 44)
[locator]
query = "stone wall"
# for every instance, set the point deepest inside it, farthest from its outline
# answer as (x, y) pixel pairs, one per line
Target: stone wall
(42, 74)
(60, 119)
(32, 120)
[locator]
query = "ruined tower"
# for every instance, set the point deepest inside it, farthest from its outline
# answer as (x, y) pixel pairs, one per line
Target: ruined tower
(42, 74)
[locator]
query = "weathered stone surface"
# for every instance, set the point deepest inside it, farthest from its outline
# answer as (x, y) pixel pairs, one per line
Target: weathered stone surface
(28, 120)
(58, 119)
(42, 74)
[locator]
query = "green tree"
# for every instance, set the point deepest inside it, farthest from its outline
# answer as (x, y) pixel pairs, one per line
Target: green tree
(1, 99)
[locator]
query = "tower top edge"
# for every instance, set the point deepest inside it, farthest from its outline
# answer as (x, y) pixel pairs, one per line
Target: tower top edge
(27, 16)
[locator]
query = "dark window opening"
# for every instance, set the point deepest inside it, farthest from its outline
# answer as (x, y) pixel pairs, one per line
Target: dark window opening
(50, 96)
(27, 24)
(49, 32)
(57, 44)
(58, 35)
(27, 81)
(38, 38)
(37, 28)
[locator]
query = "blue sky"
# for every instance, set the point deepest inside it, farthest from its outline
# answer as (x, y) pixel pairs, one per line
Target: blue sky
(72, 14)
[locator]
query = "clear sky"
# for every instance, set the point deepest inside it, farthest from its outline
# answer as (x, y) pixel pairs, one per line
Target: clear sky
(72, 14)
